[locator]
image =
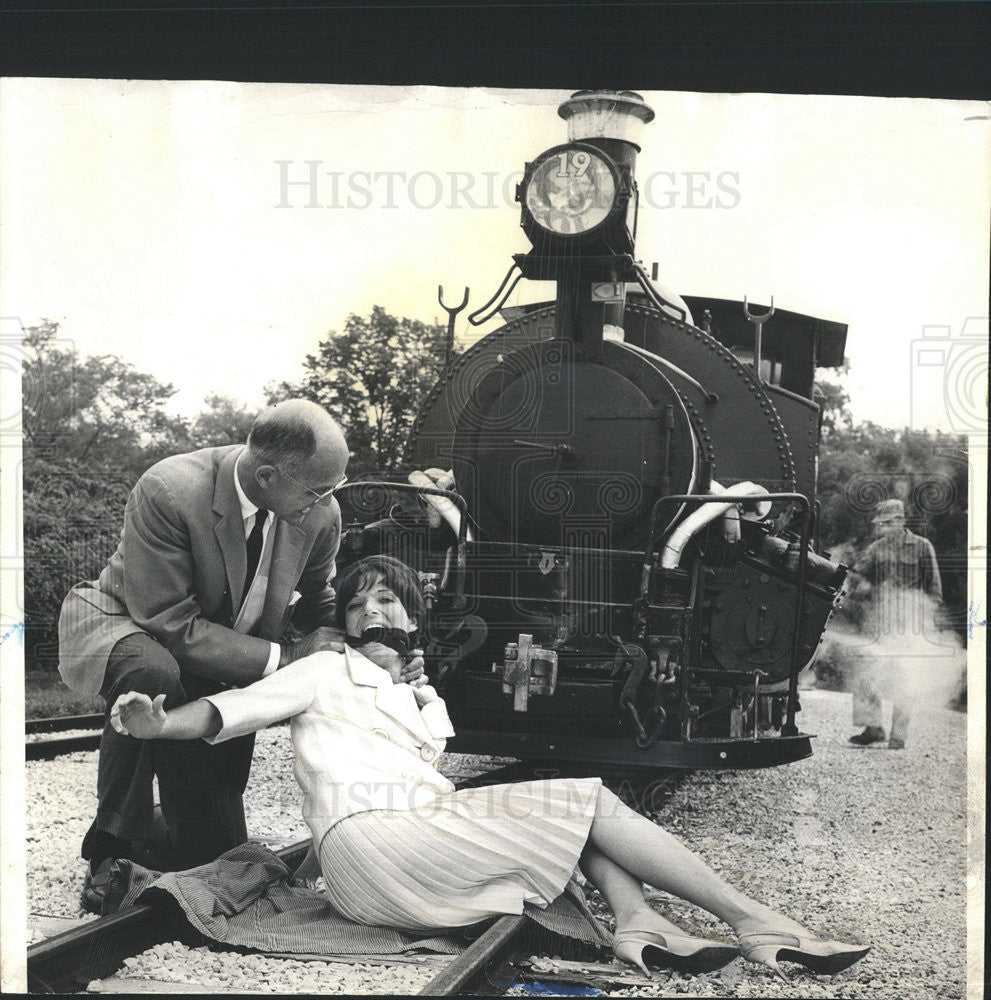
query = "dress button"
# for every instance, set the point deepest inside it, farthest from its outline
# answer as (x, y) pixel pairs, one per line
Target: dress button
(427, 753)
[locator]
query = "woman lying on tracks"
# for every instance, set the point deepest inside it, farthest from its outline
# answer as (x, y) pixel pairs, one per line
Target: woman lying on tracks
(399, 847)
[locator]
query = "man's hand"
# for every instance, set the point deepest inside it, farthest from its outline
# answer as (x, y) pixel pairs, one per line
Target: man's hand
(319, 640)
(135, 714)
(399, 670)
(413, 671)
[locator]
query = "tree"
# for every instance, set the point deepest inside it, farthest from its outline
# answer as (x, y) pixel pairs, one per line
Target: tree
(72, 522)
(96, 411)
(372, 378)
(927, 471)
(835, 402)
(91, 427)
(223, 421)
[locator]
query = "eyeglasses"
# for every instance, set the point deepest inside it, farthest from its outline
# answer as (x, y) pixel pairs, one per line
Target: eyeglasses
(320, 498)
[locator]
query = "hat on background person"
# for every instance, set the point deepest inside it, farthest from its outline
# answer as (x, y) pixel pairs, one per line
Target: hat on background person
(888, 510)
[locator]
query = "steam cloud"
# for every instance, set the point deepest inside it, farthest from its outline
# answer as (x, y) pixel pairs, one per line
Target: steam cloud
(889, 639)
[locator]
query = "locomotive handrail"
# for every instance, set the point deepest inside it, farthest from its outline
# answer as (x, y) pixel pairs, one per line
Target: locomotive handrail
(500, 295)
(652, 293)
(789, 729)
(457, 499)
(711, 398)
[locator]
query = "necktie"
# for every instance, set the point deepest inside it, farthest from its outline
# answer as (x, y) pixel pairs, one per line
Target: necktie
(254, 547)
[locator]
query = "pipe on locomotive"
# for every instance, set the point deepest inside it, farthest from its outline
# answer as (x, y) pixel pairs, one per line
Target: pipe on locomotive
(697, 520)
(447, 510)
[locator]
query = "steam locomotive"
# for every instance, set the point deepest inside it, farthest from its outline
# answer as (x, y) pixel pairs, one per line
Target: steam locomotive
(611, 507)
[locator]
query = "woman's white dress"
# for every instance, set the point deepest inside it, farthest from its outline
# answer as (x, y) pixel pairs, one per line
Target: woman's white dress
(397, 844)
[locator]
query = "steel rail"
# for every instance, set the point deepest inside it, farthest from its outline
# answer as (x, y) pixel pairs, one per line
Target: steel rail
(47, 749)
(471, 963)
(68, 961)
(59, 745)
(61, 723)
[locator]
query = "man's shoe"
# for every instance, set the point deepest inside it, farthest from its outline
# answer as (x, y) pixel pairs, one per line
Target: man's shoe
(95, 887)
(896, 744)
(872, 734)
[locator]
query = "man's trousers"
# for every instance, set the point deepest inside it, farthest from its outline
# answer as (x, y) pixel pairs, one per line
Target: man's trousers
(868, 709)
(200, 786)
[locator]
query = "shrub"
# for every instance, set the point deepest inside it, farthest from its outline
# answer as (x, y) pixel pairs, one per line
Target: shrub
(72, 523)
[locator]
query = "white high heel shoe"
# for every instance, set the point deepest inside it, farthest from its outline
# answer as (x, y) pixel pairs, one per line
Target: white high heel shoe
(671, 951)
(825, 958)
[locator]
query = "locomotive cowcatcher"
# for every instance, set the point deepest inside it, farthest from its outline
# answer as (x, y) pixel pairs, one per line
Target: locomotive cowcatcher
(612, 508)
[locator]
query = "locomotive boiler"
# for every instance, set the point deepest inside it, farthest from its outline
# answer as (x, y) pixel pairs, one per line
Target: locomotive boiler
(612, 506)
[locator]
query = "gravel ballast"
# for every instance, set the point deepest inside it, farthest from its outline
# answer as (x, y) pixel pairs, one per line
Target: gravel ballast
(865, 845)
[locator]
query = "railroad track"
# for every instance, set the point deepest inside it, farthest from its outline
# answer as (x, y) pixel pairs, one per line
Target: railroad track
(64, 723)
(96, 950)
(68, 962)
(46, 749)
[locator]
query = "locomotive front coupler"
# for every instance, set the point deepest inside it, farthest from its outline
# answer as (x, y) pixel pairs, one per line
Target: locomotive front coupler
(527, 669)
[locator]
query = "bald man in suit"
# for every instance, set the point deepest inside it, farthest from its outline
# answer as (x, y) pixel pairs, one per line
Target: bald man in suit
(221, 550)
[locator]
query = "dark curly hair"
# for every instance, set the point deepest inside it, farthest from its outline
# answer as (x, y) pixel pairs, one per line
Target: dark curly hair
(396, 575)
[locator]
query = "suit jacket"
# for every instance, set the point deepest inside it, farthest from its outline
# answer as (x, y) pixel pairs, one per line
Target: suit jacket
(178, 575)
(360, 741)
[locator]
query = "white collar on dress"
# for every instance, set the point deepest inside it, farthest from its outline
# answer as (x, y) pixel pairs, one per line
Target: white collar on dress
(362, 670)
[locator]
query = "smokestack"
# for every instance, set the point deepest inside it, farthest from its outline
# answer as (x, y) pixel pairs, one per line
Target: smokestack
(610, 119)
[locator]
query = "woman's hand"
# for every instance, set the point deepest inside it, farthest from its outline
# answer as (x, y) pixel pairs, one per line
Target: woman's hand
(135, 714)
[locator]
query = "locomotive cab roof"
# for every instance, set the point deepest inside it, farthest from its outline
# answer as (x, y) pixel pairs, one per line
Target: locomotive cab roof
(798, 343)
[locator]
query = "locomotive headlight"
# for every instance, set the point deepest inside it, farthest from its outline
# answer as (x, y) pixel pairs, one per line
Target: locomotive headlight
(572, 190)
(576, 192)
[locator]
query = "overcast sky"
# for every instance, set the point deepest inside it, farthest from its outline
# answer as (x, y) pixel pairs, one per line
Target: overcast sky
(152, 220)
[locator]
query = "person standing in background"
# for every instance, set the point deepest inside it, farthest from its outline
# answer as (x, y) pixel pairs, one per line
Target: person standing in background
(901, 569)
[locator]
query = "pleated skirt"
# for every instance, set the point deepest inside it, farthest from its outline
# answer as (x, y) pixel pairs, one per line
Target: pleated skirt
(463, 857)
